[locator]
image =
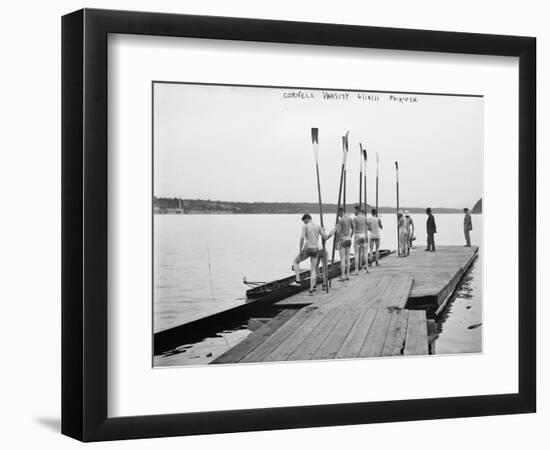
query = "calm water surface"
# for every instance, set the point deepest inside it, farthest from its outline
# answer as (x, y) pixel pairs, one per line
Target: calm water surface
(200, 262)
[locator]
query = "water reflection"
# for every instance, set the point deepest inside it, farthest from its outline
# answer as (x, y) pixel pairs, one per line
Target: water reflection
(458, 329)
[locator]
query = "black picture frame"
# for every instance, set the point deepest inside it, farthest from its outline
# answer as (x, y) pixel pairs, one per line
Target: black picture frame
(84, 224)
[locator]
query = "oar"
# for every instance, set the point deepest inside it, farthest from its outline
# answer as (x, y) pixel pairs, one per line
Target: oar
(365, 176)
(315, 143)
(397, 210)
(377, 163)
(344, 156)
(360, 175)
(364, 156)
(346, 147)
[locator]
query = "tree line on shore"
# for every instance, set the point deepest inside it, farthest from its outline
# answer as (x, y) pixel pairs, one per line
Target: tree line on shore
(215, 206)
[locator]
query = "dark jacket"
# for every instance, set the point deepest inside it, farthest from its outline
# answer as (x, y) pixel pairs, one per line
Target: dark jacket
(430, 224)
(467, 222)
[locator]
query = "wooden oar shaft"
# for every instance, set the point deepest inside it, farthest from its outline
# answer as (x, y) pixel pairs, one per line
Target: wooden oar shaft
(397, 207)
(319, 194)
(365, 182)
(315, 142)
(339, 202)
(360, 189)
(365, 187)
(377, 182)
(344, 195)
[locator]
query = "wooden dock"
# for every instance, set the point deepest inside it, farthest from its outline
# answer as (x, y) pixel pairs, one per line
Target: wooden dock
(366, 316)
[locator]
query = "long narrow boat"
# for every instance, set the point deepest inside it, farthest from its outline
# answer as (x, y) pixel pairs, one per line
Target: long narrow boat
(280, 289)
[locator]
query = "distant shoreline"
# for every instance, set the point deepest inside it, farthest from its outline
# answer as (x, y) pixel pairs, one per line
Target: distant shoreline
(198, 206)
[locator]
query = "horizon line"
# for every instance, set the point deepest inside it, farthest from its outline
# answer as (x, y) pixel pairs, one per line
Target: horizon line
(312, 202)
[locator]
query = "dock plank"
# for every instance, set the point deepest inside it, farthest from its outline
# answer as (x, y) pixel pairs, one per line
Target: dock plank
(417, 334)
(374, 342)
(275, 339)
(239, 351)
(295, 339)
(356, 337)
(337, 336)
(314, 341)
(397, 333)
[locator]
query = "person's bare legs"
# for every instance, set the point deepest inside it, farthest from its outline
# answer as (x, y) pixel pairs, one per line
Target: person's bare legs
(342, 252)
(377, 254)
(313, 273)
(358, 257)
(371, 254)
(366, 250)
(364, 256)
(296, 268)
(348, 262)
(321, 258)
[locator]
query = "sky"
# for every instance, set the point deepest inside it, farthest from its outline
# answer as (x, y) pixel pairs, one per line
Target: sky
(235, 143)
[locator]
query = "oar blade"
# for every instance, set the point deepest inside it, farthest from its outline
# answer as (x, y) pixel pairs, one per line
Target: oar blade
(345, 147)
(397, 171)
(315, 142)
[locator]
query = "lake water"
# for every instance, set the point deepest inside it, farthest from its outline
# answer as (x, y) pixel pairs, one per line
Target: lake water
(200, 262)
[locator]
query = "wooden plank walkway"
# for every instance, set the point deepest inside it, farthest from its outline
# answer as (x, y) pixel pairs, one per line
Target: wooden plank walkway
(435, 275)
(361, 318)
(367, 322)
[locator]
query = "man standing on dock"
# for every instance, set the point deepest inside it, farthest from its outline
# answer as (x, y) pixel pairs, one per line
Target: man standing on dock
(360, 241)
(344, 231)
(467, 226)
(374, 225)
(431, 230)
(410, 230)
(403, 235)
(309, 248)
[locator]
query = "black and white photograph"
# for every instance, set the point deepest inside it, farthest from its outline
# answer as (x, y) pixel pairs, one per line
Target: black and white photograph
(272, 225)
(295, 224)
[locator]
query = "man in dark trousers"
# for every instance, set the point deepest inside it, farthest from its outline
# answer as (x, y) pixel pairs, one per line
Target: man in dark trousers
(467, 227)
(431, 230)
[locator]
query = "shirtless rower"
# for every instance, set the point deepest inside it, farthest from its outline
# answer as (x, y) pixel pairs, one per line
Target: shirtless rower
(374, 226)
(344, 232)
(360, 241)
(403, 235)
(410, 231)
(309, 248)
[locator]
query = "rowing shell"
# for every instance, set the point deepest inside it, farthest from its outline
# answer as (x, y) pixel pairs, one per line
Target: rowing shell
(280, 289)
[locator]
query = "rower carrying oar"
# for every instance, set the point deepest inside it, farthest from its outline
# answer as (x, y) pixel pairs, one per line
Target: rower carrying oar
(377, 164)
(345, 143)
(397, 207)
(364, 151)
(315, 143)
(361, 163)
(362, 188)
(342, 171)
